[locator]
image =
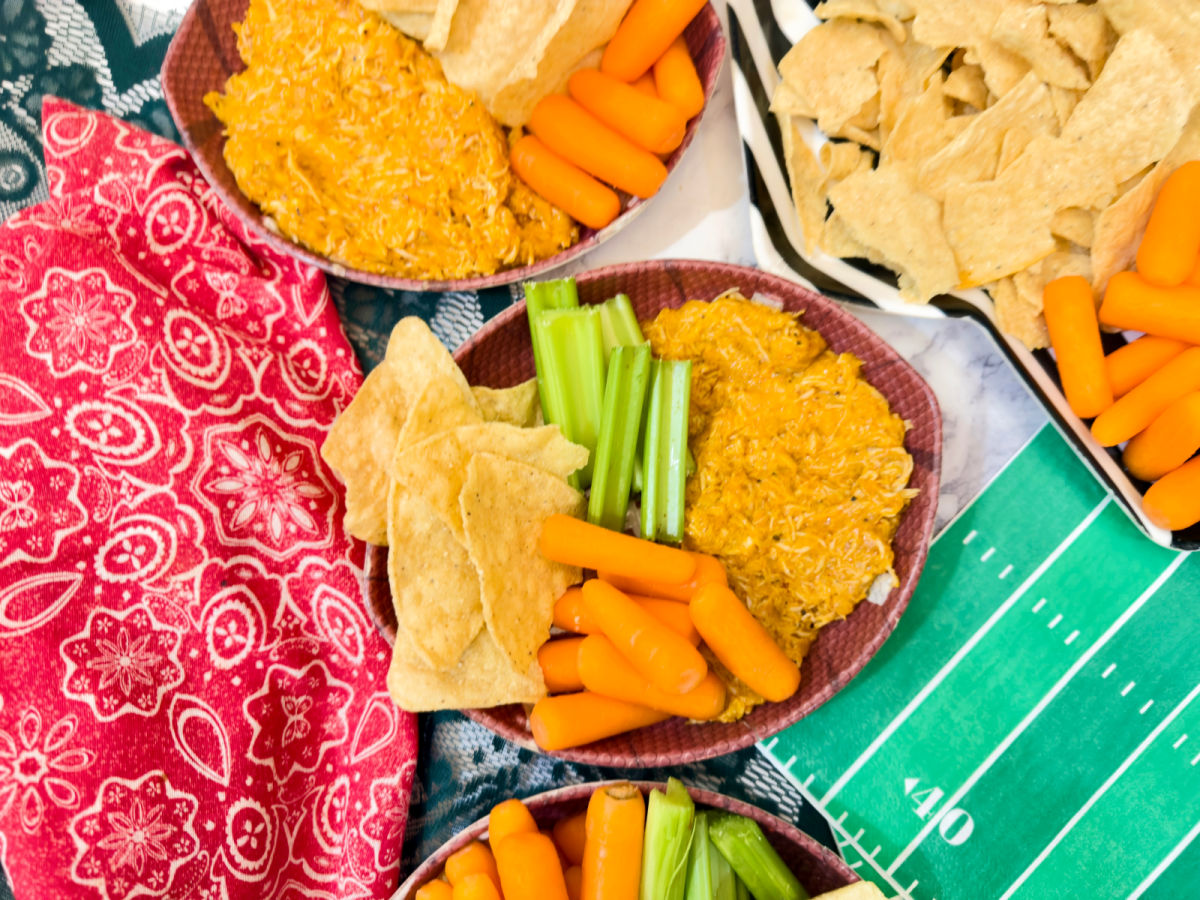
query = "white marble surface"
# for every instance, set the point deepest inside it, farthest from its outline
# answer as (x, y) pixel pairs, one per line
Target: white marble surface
(702, 212)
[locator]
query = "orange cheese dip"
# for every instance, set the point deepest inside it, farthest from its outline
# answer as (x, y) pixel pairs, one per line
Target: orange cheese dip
(348, 136)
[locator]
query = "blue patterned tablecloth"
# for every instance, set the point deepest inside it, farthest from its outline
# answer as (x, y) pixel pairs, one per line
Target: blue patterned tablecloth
(106, 54)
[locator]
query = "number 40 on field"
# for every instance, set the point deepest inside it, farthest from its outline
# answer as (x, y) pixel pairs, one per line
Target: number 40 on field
(954, 825)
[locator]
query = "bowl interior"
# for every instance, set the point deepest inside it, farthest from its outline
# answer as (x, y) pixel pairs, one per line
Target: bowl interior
(202, 56)
(818, 868)
(499, 355)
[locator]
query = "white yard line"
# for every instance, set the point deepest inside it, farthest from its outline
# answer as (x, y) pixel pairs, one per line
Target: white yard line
(1047, 698)
(1101, 791)
(960, 654)
(1166, 862)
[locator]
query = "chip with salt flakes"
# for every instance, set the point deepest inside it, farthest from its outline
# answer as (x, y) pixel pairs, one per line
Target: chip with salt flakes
(832, 71)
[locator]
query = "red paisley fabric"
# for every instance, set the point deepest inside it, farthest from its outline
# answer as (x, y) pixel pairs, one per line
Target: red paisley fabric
(192, 698)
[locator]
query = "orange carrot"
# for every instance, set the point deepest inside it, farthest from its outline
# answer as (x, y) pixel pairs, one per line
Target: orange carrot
(571, 614)
(583, 140)
(1166, 444)
(559, 661)
(575, 542)
(473, 859)
(645, 84)
(605, 671)
(509, 817)
(652, 124)
(1145, 403)
(570, 720)
(676, 80)
(569, 835)
(576, 192)
(573, 876)
(661, 656)
(476, 887)
(1135, 305)
(612, 857)
(1075, 335)
(708, 570)
(742, 644)
(1132, 364)
(1174, 500)
(435, 890)
(1194, 278)
(529, 867)
(1172, 239)
(645, 34)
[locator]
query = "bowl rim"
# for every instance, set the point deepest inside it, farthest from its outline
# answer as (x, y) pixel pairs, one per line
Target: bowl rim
(256, 222)
(539, 802)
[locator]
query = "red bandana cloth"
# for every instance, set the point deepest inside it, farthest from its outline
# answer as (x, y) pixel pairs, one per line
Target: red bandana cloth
(192, 697)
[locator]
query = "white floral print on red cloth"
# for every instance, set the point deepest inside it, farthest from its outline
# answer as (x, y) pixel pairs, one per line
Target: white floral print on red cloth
(191, 696)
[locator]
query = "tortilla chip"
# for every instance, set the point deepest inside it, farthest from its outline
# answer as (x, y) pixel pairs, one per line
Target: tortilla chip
(1016, 139)
(921, 128)
(966, 84)
(866, 10)
(1025, 31)
(941, 24)
(361, 442)
(832, 68)
(518, 405)
(441, 405)
(1064, 101)
(1016, 317)
(481, 678)
(1074, 224)
(836, 240)
(1002, 69)
(1085, 31)
(439, 26)
(840, 159)
(884, 210)
(786, 101)
(807, 181)
(504, 504)
(904, 71)
(1176, 25)
(416, 25)
(435, 588)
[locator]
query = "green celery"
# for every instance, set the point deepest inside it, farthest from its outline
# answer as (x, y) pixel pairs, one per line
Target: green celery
(573, 352)
(619, 324)
(665, 848)
(741, 891)
(709, 874)
(664, 451)
(755, 861)
(539, 297)
(616, 449)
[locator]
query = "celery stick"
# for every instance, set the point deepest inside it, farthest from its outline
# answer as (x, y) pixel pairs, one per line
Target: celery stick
(619, 324)
(616, 449)
(664, 452)
(755, 861)
(725, 883)
(665, 849)
(539, 297)
(709, 874)
(573, 352)
(741, 892)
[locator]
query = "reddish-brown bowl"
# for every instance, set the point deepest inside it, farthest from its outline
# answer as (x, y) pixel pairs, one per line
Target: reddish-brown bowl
(817, 867)
(499, 355)
(202, 56)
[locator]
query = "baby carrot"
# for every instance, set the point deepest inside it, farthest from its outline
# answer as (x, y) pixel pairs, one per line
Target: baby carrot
(1167, 443)
(575, 542)
(435, 890)
(569, 835)
(583, 140)
(1194, 278)
(1172, 239)
(1075, 337)
(473, 859)
(509, 817)
(476, 887)
(1145, 403)
(742, 644)
(529, 867)
(645, 84)
(559, 661)
(676, 80)
(570, 720)
(1132, 364)
(652, 124)
(571, 614)
(665, 659)
(605, 671)
(1132, 304)
(612, 857)
(708, 569)
(573, 876)
(645, 34)
(1174, 500)
(576, 192)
